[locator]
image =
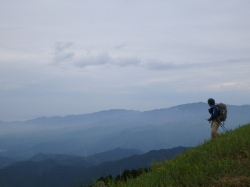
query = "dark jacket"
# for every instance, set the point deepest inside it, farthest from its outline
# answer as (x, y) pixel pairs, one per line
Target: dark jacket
(214, 112)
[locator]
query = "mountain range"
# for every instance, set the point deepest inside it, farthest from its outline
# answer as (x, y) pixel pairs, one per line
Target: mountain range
(88, 134)
(77, 149)
(70, 170)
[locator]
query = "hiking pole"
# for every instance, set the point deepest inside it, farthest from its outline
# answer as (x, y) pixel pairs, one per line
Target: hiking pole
(223, 127)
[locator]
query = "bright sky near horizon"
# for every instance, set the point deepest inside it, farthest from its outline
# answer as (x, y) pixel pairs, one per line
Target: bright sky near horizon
(63, 57)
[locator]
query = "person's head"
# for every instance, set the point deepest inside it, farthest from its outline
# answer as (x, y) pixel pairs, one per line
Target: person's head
(210, 102)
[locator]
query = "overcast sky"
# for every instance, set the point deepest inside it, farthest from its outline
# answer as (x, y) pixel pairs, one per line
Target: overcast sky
(61, 57)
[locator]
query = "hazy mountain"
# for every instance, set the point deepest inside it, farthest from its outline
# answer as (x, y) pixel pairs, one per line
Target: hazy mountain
(85, 120)
(58, 173)
(154, 137)
(137, 161)
(5, 161)
(87, 134)
(40, 156)
(111, 155)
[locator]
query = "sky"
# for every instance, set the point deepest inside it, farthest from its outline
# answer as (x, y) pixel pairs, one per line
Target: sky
(61, 57)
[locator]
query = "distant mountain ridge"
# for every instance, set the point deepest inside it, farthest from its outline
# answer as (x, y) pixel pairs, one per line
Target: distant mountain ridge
(5, 161)
(155, 117)
(90, 118)
(41, 156)
(182, 125)
(107, 156)
(117, 113)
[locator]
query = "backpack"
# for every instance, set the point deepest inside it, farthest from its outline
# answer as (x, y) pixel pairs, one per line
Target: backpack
(222, 108)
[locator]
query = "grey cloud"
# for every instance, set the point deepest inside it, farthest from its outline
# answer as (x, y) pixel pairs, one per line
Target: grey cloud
(105, 58)
(63, 57)
(132, 61)
(61, 46)
(100, 59)
(60, 52)
(152, 64)
(239, 60)
(120, 46)
(157, 65)
(224, 63)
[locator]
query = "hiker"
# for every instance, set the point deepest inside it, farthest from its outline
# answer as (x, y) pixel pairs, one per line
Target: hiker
(215, 123)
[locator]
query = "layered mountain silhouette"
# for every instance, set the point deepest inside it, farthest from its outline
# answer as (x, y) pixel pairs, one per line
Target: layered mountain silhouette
(87, 134)
(70, 170)
(76, 149)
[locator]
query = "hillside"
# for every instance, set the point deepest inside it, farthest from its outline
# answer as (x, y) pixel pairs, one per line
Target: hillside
(224, 161)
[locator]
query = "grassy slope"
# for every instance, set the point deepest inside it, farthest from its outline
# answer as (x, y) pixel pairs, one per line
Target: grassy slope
(224, 161)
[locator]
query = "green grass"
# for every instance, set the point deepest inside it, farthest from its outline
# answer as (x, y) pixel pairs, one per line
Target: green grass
(224, 161)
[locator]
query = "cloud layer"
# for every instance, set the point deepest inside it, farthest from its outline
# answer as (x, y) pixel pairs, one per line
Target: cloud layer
(64, 55)
(72, 57)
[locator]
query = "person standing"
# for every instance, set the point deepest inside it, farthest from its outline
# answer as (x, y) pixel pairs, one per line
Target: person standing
(215, 123)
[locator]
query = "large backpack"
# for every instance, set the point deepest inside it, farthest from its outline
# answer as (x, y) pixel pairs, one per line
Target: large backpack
(222, 108)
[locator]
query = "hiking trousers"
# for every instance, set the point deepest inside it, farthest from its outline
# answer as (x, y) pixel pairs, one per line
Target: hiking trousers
(214, 131)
